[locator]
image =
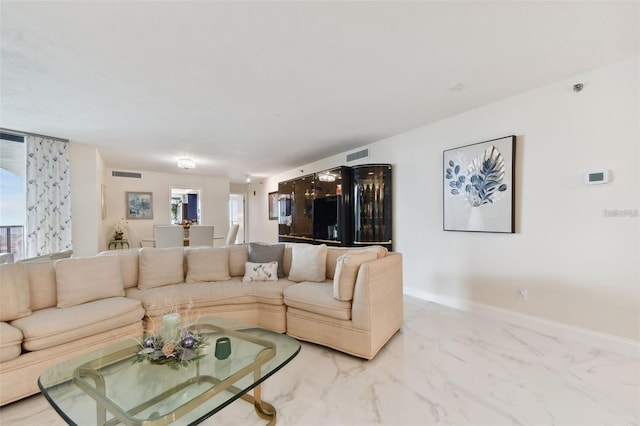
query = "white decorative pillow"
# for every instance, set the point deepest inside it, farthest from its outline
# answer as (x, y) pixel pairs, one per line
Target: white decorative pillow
(260, 271)
(160, 266)
(208, 264)
(308, 263)
(84, 279)
(347, 267)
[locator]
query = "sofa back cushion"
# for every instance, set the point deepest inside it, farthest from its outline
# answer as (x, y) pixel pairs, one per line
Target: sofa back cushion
(129, 260)
(308, 263)
(84, 279)
(347, 267)
(160, 266)
(265, 253)
(14, 292)
(207, 264)
(333, 253)
(42, 284)
(238, 256)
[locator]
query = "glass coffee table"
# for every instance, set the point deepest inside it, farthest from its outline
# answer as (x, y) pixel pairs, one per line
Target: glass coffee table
(109, 387)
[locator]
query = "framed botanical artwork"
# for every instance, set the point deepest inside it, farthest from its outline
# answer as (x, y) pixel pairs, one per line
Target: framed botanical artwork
(478, 187)
(139, 205)
(273, 205)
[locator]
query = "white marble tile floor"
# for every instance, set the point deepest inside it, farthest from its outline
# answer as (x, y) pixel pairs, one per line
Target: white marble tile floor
(445, 367)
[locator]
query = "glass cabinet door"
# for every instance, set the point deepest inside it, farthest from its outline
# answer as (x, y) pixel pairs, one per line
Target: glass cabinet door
(303, 193)
(372, 204)
(285, 218)
(331, 212)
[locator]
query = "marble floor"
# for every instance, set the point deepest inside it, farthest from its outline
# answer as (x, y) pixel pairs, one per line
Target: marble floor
(445, 367)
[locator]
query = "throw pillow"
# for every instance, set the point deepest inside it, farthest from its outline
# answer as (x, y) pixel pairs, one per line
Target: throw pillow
(129, 260)
(260, 272)
(160, 266)
(42, 285)
(85, 279)
(207, 264)
(308, 263)
(14, 292)
(238, 255)
(347, 267)
(263, 253)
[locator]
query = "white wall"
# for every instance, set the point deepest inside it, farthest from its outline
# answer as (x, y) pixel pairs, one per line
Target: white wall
(86, 168)
(579, 266)
(214, 201)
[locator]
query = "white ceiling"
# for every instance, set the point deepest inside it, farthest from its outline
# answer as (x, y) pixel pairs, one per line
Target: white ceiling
(262, 87)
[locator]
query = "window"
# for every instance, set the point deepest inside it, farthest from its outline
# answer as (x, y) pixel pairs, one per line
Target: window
(12, 194)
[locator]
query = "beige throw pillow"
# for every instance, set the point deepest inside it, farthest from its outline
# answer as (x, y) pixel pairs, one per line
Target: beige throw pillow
(207, 264)
(84, 279)
(308, 263)
(238, 256)
(347, 267)
(260, 271)
(129, 260)
(43, 291)
(160, 266)
(14, 292)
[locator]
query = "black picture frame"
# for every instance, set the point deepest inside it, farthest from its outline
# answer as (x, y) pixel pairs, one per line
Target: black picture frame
(478, 187)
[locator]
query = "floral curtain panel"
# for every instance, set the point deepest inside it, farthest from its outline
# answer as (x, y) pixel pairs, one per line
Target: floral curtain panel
(48, 225)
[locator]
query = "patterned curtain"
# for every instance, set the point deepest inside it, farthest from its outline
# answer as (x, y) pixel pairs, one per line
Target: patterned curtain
(48, 225)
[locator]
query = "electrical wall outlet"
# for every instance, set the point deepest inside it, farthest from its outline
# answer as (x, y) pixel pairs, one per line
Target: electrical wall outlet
(523, 294)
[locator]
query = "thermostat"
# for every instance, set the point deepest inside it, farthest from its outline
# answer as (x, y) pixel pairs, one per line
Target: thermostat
(597, 177)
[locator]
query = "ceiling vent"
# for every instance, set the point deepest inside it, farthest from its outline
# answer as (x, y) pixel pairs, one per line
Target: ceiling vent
(358, 155)
(133, 175)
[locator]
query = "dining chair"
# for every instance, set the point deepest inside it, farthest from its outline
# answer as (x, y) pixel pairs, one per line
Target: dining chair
(169, 236)
(201, 235)
(232, 234)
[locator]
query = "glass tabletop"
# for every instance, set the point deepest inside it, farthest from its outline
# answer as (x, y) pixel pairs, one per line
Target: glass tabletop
(113, 386)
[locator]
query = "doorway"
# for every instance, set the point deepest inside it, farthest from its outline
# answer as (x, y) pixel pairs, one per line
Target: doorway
(237, 215)
(185, 205)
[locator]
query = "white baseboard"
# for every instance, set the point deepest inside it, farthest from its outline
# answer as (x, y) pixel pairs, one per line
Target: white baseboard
(603, 341)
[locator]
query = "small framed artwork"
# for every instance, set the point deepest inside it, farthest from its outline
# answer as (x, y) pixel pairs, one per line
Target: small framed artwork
(273, 205)
(478, 187)
(139, 205)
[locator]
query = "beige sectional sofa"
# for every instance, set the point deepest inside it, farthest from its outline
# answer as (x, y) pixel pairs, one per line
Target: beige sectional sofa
(349, 299)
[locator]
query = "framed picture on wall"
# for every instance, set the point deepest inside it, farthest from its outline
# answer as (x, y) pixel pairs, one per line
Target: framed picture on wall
(139, 205)
(478, 187)
(273, 205)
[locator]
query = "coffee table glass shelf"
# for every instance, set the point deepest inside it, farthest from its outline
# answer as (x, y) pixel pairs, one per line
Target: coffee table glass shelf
(108, 386)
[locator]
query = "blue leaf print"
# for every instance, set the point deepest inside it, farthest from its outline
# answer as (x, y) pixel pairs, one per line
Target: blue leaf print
(451, 163)
(455, 191)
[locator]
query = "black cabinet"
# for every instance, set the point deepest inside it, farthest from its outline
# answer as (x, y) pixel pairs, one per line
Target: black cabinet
(331, 206)
(343, 206)
(372, 205)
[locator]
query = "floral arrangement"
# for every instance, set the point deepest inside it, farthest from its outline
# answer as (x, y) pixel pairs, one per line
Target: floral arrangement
(175, 354)
(119, 229)
(186, 223)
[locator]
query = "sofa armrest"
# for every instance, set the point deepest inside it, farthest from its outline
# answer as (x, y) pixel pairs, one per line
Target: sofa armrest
(378, 295)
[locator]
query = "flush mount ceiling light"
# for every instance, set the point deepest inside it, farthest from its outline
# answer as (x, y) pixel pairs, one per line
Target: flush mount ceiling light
(327, 177)
(186, 163)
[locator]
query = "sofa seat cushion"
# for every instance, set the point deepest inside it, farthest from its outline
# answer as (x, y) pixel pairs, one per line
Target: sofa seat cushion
(51, 327)
(317, 298)
(10, 342)
(193, 296)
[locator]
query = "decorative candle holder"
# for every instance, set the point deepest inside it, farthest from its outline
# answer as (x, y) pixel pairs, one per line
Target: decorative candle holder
(223, 348)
